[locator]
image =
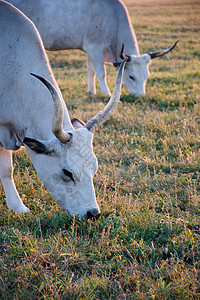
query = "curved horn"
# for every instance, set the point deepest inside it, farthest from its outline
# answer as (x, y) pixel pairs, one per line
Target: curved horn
(122, 56)
(163, 52)
(97, 120)
(57, 124)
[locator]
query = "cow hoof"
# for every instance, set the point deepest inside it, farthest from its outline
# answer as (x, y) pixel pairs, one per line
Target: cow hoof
(92, 93)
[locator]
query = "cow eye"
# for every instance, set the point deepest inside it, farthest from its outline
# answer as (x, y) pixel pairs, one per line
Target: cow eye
(68, 174)
(131, 77)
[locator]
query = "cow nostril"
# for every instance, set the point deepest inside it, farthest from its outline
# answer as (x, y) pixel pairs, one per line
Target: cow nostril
(93, 214)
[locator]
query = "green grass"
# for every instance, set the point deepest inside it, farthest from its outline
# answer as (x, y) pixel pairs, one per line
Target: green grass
(146, 243)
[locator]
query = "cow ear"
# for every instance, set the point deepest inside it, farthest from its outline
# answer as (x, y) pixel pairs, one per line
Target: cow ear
(77, 123)
(145, 58)
(36, 146)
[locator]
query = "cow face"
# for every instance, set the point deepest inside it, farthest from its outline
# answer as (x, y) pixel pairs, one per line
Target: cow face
(137, 69)
(136, 73)
(67, 171)
(66, 163)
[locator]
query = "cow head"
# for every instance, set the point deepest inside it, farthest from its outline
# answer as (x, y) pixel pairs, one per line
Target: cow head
(66, 163)
(137, 70)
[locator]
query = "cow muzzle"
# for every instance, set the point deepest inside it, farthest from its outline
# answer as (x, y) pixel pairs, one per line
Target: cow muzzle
(93, 214)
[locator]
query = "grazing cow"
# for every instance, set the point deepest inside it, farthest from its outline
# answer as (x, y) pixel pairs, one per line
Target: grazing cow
(62, 156)
(99, 28)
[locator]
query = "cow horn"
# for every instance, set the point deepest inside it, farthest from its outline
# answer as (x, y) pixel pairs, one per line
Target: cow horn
(97, 120)
(122, 55)
(57, 124)
(163, 52)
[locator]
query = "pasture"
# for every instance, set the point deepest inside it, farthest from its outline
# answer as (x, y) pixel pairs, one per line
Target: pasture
(145, 245)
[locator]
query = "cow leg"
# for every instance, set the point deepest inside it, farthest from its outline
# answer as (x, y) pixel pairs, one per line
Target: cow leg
(6, 174)
(91, 77)
(97, 60)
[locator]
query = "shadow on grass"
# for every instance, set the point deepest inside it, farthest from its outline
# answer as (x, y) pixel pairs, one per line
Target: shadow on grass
(77, 64)
(46, 225)
(131, 99)
(156, 102)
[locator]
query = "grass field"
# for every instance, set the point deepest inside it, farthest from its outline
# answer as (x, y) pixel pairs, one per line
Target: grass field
(146, 243)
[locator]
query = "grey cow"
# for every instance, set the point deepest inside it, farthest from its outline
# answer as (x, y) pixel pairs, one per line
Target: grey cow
(33, 117)
(98, 27)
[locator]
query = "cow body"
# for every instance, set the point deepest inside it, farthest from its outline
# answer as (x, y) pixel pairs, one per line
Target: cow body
(98, 27)
(62, 156)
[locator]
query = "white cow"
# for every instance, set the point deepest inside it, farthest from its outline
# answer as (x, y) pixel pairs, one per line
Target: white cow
(98, 27)
(62, 156)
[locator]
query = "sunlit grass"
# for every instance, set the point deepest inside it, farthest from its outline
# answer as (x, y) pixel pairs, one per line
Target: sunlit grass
(146, 243)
